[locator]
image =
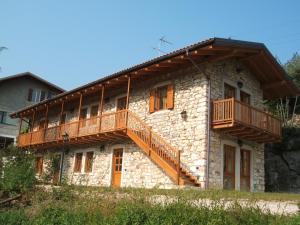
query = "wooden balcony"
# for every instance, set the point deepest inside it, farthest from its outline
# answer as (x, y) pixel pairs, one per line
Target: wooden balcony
(107, 127)
(245, 122)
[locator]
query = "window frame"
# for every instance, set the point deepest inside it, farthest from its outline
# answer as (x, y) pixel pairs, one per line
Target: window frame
(159, 102)
(3, 116)
(78, 167)
(89, 162)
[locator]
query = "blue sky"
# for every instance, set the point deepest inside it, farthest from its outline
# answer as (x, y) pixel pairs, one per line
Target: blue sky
(74, 42)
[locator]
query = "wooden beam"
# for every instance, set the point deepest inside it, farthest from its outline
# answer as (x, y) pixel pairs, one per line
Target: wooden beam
(268, 85)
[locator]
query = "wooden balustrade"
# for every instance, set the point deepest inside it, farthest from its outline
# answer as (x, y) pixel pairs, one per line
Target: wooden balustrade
(251, 122)
(155, 145)
(109, 122)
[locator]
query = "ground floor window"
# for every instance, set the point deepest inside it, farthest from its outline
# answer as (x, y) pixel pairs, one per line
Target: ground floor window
(78, 162)
(89, 162)
(5, 142)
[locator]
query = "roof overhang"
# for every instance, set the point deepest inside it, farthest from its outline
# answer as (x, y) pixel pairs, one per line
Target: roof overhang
(274, 81)
(35, 77)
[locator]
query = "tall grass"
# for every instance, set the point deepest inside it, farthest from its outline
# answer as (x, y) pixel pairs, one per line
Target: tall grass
(63, 207)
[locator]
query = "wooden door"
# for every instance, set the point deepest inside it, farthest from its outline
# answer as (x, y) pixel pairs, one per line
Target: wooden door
(245, 97)
(229, 91)
(83, 116)
(121, 116)
(42, 124)
(56, 167)
(229, 167)
(117, 167)
(245, 170)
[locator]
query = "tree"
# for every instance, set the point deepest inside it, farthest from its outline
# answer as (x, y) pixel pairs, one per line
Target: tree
(292, 67)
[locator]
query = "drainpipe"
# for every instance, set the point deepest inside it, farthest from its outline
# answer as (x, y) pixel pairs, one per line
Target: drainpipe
(208, 117)
(61, 165)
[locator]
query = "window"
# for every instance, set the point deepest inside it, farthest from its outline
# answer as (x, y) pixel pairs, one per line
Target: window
(29, 97)
(35, 95)
(78, 161)
(245, 97)
(229, 91)
(5, 142)
(50, 94)
(89, 162)
(39, 165)
(3, 117)
(43, 96)
(162, 98)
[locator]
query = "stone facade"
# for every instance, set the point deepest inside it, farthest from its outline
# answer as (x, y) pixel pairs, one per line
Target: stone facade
(225, 72)
(186, 134)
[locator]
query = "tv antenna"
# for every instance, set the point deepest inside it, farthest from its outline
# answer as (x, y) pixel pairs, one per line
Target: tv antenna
(161, 42)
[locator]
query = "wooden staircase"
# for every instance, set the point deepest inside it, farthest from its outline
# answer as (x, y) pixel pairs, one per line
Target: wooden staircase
(159, 151)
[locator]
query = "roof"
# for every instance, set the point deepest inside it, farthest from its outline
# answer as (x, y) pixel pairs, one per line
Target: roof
(269, 72)
(33, 76)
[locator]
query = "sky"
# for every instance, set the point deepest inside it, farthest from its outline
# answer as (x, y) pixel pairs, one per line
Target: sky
(73, 42)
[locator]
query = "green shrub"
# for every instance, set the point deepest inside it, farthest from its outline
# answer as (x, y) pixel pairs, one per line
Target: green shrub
(14, 217)
(17, 170)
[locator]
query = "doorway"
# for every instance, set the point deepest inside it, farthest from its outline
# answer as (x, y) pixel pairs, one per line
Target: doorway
(117, 167)
(229, 168)
(56, 168)
(245, 170)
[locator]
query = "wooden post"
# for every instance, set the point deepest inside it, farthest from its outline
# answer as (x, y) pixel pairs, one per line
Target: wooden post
(79, 111)
(150, 140)
(127, 98)
(32, 124)
(20, 127)
(46, 121)
(60, 118)
(178, 167)
(101, 107)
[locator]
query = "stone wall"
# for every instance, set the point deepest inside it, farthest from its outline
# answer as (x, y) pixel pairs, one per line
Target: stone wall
(137, 168)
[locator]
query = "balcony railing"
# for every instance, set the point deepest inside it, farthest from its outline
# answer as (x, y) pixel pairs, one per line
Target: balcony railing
(242, 120)
(84, 127)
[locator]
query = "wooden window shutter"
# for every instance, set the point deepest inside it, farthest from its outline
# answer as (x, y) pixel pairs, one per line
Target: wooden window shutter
(170, 96)
(152, 101)
(29, 97)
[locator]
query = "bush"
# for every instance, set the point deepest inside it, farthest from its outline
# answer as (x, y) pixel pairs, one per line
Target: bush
(17, 171)
(15, 217)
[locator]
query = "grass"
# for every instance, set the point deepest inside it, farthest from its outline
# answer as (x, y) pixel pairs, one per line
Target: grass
(82, 205)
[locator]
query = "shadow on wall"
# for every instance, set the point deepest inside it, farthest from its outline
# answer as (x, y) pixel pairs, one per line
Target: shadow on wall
(282, 163)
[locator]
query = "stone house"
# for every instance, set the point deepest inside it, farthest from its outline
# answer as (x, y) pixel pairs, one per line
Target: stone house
(193, 117)
(16, 92)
